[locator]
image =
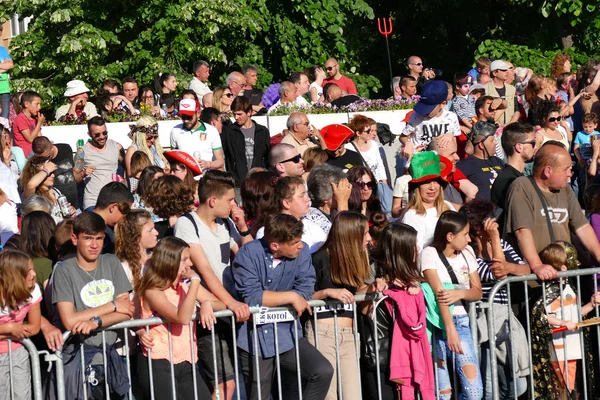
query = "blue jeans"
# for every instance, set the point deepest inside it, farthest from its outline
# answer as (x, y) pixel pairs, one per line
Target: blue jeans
(471, 389)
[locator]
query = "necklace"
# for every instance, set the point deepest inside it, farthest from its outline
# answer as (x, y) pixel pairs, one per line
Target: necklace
(95, 272)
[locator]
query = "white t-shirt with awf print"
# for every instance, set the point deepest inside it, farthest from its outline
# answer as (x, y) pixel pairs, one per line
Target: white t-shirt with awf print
(423, 129)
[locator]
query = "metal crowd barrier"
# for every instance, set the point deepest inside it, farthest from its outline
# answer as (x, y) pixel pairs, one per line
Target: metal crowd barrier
(36, 374)
(487, 307)
(525, 281)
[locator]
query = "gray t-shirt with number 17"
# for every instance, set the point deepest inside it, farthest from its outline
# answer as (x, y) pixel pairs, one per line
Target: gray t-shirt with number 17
(86, 290)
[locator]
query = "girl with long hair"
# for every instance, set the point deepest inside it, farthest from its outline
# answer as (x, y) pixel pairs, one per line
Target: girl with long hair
(257, 192)
(163, 293)
(20, 298)
(143, 193)
(342, 268)
(164, 83)
(554, 127)
(396, 254)
(37, 240)
(451, 261)
(38, 178)
(364, 182)
(135, 237)
(144, 137)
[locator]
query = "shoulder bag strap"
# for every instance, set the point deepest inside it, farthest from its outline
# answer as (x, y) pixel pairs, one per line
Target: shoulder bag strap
(452, 274)
(360, 155)
(543, 201)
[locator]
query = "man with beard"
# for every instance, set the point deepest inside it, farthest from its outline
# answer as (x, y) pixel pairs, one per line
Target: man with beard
(335, 76)
(96, 162)
(200, 140)
(518, 142)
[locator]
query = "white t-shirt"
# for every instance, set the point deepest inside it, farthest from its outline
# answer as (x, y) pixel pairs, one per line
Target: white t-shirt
(373, 159)
(401, 188)
(424, 224)
(463, 264)
(199, 87)
(319, 89)
(422, 129)
(313, 235)
(202, 142)
(299, 102)
(216, 244)
(569, 313)
(8, 221)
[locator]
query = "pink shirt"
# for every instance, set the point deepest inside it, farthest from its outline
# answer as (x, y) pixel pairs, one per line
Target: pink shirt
(344, 83)
(180, 334)
(8, 315)
(23, 123)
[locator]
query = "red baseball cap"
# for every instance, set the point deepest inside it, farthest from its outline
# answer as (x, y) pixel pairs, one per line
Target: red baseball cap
(188, 107)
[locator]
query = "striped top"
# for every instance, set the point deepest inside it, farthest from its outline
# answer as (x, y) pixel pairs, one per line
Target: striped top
(487, 276)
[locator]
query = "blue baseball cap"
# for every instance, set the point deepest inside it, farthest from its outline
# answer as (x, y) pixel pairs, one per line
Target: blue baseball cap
(432, 94)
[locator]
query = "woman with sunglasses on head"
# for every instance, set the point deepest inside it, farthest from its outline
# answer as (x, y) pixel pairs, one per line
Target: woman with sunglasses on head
(38, 178)
(144, 137)
(366, 201)
(554, 128)
(368, 149)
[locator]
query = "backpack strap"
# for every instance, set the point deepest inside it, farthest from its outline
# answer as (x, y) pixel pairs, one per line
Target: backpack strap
(452, 274)
(191, 218)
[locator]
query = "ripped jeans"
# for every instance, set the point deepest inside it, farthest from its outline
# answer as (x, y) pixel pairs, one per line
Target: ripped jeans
(471, 386)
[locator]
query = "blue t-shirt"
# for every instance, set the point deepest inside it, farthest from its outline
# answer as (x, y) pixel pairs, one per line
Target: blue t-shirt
(585, 144)
(4, 85)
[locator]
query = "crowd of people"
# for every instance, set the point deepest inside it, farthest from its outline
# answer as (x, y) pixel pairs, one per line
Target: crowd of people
(232, 216)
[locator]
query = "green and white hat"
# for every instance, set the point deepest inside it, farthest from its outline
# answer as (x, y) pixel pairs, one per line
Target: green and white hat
(427, 165)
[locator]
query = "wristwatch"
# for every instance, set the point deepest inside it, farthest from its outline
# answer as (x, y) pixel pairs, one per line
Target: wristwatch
(97, 320)
(246, 232)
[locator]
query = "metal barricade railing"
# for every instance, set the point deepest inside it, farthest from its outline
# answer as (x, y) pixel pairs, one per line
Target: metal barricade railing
(227, 315)
(35, 371)
(491, 311)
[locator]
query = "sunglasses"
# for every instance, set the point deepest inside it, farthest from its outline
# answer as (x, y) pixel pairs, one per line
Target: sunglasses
(186, 117)
(98, 134)
(329, 68)
(296, 159)
(417, 64)
(371, 185)
(151, 136)
(229, 95)
(554, 119)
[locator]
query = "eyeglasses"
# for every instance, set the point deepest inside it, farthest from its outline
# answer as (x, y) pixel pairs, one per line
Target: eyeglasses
(296, 159)
(371, 185)
(417, 64)
(98, 134)
(147, 97)
(554, 119)
(531, 142)
(229, 95)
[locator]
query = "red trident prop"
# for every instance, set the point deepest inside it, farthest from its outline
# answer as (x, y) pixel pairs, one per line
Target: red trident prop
(386, 30)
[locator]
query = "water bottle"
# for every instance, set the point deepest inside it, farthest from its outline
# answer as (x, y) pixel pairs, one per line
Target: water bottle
(163, 106)
(80, 144)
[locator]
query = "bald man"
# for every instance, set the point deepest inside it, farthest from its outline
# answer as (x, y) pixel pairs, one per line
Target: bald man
(235, 82)
(332, 68)
(286, 161)
(525, 215)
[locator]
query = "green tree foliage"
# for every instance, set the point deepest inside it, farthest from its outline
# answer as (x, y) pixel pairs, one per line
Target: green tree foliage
(94, 40)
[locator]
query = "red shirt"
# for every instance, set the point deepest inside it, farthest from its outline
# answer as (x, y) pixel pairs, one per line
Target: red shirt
(344, 83)
(23, 123)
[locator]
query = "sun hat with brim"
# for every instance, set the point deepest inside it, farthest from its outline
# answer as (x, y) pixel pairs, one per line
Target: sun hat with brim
(184, 158)
(427, 165)
(75, 87)
(335, 135)
(433, 93)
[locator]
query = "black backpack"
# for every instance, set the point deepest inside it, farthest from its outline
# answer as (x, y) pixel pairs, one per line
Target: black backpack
(385, 134)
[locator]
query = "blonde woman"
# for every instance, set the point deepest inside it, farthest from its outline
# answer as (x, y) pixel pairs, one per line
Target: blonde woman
(144, 137)
(426, 202)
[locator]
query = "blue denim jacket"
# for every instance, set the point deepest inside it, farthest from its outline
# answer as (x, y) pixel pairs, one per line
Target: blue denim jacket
(253, 273)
